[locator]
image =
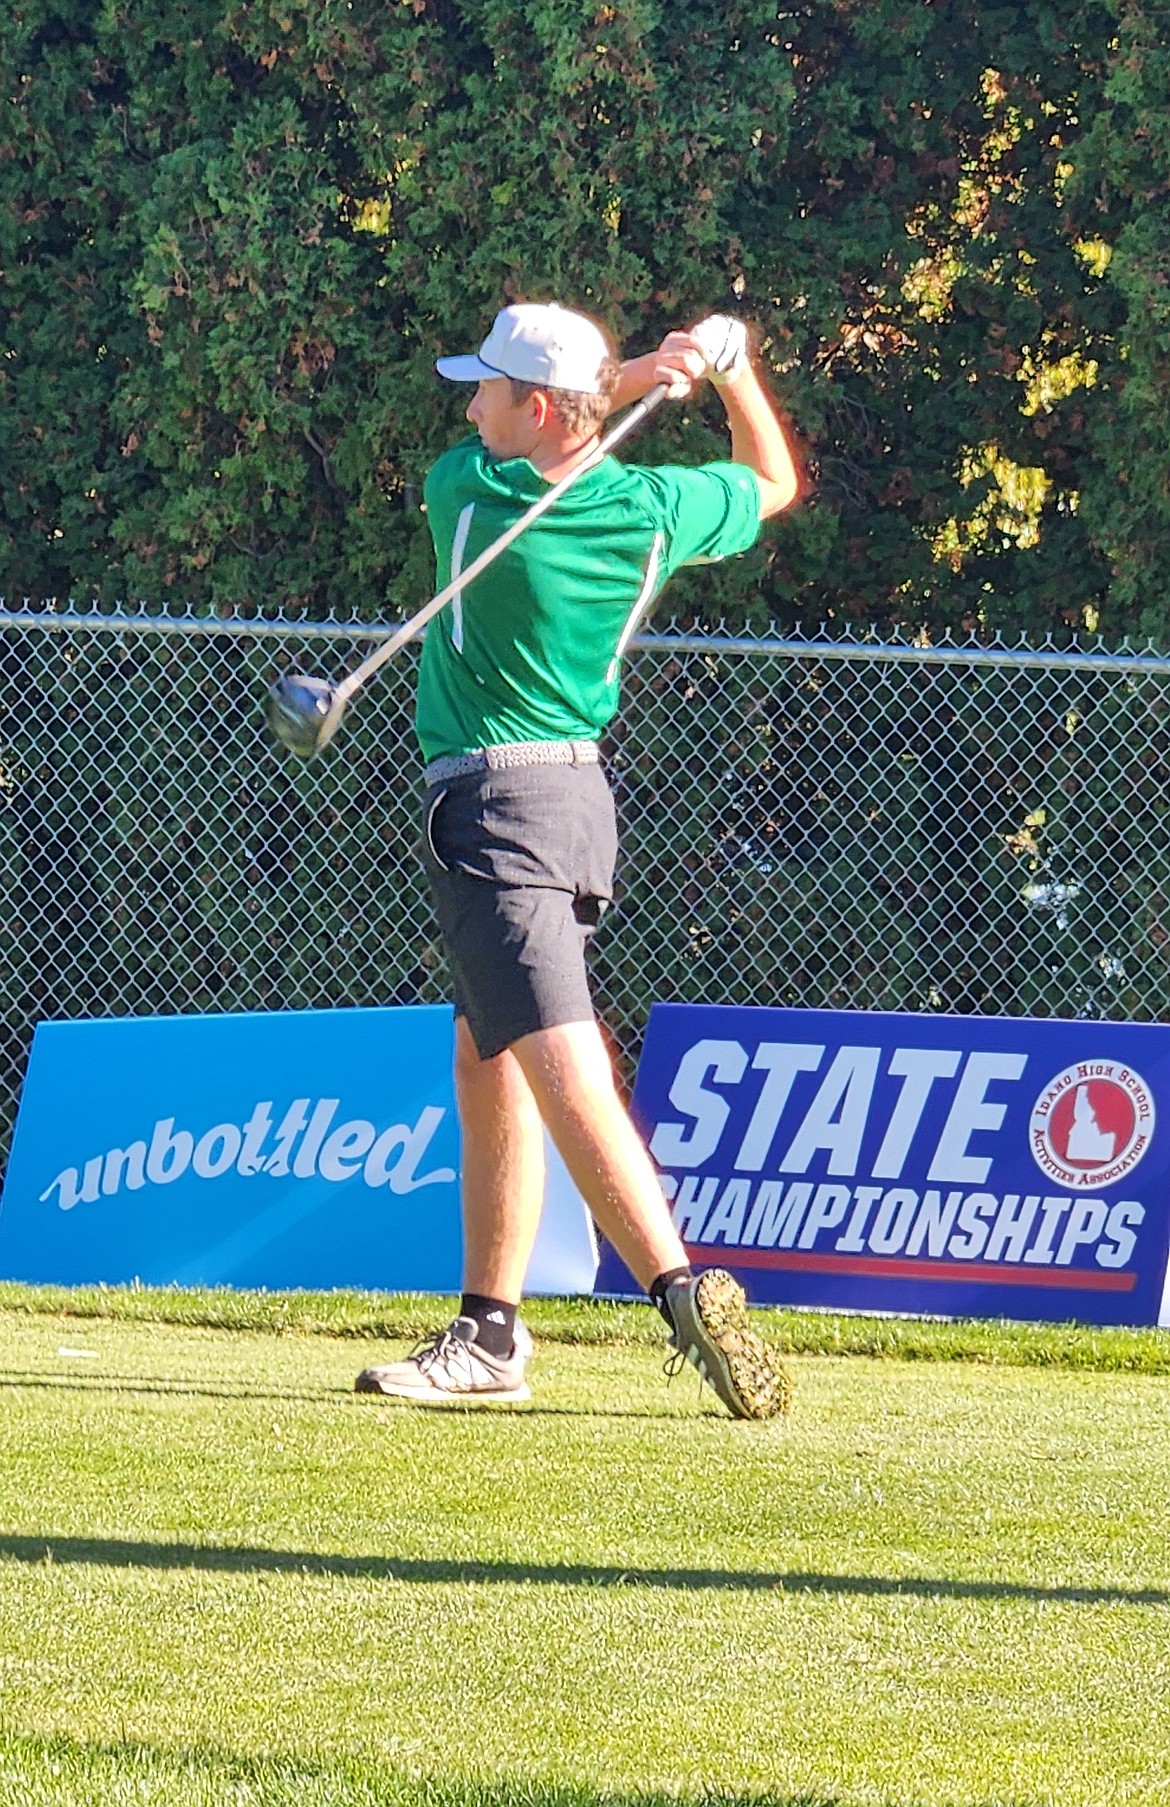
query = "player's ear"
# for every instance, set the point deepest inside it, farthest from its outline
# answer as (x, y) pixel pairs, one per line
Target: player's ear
(541, 409)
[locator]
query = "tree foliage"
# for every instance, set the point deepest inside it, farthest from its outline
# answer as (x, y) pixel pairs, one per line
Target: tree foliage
(233, 237)
(1124, 180)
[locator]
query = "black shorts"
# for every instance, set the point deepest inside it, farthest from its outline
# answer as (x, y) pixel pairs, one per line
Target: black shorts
(520, 864)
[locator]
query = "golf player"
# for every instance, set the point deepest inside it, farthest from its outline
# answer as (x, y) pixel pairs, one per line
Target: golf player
(518, 679)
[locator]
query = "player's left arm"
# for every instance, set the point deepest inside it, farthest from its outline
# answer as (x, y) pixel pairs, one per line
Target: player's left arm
(761, 439)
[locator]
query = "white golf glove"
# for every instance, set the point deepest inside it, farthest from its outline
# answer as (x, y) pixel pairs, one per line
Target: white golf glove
(724, 344)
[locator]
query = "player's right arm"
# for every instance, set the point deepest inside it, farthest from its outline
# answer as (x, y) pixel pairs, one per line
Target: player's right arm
(760, 437)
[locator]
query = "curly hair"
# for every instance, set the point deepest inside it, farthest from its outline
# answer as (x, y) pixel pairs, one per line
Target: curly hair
(576, 411)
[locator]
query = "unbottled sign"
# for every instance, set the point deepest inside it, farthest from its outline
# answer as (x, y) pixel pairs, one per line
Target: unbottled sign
(964, 1166)
(311, 1148)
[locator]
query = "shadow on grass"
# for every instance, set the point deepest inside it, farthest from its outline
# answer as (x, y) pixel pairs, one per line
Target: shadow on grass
(204, 1776)
(190, 1389)
(122, 1553)
(177, 1389)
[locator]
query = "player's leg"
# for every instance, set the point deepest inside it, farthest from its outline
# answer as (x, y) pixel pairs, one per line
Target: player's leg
(572, 1081)
(481, 1356)
(516, 897)
(570, 1077)
(502, 1169)
(547, 839)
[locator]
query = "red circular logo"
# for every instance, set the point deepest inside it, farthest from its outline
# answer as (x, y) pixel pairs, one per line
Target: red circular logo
(1092, 1124)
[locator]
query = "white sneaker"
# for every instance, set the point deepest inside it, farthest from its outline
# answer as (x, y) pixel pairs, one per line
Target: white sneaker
(452, 1369)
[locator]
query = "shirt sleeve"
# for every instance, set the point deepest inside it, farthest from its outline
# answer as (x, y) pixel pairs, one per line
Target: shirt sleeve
(705, 514)
(452, 481)
(454, 471)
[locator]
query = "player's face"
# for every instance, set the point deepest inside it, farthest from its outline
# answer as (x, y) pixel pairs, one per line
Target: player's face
(506, 428)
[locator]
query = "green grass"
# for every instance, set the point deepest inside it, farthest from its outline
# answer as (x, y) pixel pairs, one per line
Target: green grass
(224, 1579)
(409, 1315)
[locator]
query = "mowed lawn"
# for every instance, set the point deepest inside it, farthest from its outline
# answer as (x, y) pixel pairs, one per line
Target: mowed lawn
(226, 1579)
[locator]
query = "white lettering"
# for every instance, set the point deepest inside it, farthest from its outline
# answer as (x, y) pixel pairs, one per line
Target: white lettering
(768, 1193)
(976, 1207)
(71, 1193)
(1085, 1223)
(255, 1134)
(1012, 1227)
(293, 1123)
(208, 1165)
(68, 1195)
(343, 1152)
(934, 1223)
(170, 1156)
(778, 1223)
(828, 1208)
(865, 1198)
(691, 1205)
(918, 1068)
(894, 1220)
(1122, 1240)
(1040, 1253)
(969, 1112)
(133, 1160)
(837, 1115)
(403, 1176)
(726, 1219)
(393, 1159)
(671, 1144)
(305, 1165)
(782, 1061)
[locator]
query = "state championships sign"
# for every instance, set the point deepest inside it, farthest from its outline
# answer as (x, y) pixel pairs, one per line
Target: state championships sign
(960, 1166)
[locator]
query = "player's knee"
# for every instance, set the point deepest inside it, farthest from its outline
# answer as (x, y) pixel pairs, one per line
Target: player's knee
(475, 1072)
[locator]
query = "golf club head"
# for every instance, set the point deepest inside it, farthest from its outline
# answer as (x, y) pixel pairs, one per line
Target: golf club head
(303, 713)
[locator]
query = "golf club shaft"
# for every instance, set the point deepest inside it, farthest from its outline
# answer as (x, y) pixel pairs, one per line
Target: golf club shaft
(409, 629)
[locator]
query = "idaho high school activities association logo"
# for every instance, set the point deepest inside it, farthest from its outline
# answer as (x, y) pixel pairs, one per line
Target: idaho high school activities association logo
(1091, 1125)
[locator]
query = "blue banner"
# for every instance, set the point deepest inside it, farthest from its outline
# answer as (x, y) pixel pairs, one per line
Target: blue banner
(313, 1149)
(987, 1167)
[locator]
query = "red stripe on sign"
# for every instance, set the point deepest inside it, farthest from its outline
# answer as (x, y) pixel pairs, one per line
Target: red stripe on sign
(985, 1273)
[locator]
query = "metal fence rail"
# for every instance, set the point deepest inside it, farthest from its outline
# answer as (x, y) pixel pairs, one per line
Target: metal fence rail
(838, 823)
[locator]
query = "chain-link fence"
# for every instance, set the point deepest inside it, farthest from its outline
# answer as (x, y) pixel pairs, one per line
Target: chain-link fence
(817, 822)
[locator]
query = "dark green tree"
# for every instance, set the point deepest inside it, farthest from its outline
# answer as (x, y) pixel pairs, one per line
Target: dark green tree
(1121, 193)
(234, 236)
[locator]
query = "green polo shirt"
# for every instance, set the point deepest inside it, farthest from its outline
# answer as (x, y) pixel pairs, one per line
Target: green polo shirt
(531, 649)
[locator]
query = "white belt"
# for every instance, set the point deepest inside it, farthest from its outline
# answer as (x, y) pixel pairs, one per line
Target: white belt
(512, 753)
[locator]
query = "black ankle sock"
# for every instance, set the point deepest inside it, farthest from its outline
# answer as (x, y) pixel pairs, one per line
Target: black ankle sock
(495, 1322)
(657, 1289)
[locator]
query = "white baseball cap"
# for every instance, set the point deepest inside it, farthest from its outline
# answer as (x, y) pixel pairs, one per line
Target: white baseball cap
(536, 342)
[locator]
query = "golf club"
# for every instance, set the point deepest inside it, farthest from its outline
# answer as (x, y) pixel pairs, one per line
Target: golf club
(304, 712)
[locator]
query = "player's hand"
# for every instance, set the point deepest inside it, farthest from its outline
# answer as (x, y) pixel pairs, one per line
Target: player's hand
(680, 364)
(723, 342)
